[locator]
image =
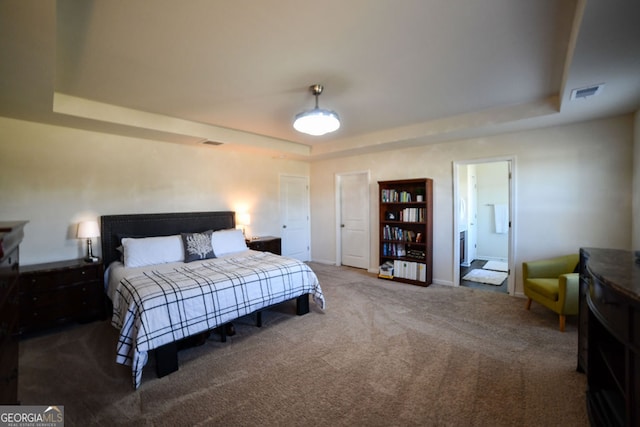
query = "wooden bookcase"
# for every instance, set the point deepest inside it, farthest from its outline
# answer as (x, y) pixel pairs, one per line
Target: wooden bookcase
(406, 230)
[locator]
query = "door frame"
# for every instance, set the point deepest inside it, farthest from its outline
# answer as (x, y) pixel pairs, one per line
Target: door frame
(338, 214)
(511, 162)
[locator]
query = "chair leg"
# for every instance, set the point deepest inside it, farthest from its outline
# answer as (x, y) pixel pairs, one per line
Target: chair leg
(562, 322)
(528, 305)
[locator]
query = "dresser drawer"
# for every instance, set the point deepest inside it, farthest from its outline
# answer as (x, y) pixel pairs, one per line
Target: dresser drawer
(53, 279)
(611, 308)
(69, 295)
(66, 303)
(8, 275)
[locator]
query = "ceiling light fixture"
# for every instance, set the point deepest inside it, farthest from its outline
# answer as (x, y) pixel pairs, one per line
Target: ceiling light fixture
(318, 121)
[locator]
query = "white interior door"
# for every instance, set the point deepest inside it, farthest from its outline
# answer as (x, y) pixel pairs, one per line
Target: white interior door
(354, 219)
(294, 216)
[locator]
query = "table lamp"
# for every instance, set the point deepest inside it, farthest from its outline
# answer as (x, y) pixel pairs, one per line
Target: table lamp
(244, 219)
(88, 230)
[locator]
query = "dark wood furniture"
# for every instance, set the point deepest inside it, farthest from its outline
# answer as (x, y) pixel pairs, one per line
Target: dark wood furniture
(266, 244)
(406, 229)
(115, 227)
(609, 335)
(11, 234)
(57, 292)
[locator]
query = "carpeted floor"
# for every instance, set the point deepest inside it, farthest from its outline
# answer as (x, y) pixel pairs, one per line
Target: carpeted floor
(382, 354)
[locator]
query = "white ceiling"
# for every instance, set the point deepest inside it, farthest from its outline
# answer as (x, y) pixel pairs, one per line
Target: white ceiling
(399, 72)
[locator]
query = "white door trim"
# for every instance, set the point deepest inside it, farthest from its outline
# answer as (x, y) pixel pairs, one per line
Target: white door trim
(338, 213)
(511, 161)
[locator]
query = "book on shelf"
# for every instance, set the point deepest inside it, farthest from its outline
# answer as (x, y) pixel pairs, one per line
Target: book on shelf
(412, 215)
(394, 249)
(397, 233)
(394, 196)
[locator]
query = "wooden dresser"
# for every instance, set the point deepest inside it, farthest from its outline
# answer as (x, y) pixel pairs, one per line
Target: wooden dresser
(11, 234)
(609, 335)
(58, 292)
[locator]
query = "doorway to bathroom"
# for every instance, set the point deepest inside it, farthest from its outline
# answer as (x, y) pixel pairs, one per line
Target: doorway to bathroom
(483, 219)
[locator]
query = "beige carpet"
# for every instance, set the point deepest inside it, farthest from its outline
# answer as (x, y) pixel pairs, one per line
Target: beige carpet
(382, 354)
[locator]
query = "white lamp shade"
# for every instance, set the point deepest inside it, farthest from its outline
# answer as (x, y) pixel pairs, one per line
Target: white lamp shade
(88, 229)
(244, 219)
(317, 122)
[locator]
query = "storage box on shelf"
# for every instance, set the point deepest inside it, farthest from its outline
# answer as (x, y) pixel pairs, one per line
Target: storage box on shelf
(406, 230)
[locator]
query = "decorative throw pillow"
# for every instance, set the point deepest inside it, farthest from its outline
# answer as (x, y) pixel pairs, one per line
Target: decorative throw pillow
(197, 246)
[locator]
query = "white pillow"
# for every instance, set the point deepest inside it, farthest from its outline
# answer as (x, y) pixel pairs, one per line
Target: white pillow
(152, 250)
(228, 242)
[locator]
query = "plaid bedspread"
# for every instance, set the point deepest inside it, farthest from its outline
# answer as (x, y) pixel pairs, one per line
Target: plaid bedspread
(157, 306)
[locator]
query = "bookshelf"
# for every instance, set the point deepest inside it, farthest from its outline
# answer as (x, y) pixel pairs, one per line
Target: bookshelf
(406, 230)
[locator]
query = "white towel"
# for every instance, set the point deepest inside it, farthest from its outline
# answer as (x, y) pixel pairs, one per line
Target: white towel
(501, 217)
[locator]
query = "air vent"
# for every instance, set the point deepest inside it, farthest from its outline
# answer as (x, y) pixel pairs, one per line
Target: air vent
(585, 92)
(208, 142)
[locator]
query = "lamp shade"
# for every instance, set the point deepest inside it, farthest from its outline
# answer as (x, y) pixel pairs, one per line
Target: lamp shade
(88, 229)
(317, 122)
(244, 219)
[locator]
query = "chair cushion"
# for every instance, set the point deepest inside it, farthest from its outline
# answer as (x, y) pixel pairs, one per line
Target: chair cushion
(546, 287)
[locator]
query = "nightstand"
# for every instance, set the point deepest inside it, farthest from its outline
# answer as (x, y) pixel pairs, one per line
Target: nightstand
(266, 244)
(58, 292)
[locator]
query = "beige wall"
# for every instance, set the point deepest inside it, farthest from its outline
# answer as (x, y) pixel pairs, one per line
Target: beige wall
(55, 177)
(573, 188)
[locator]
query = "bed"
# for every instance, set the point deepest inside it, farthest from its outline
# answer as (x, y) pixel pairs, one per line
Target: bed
(158, 301)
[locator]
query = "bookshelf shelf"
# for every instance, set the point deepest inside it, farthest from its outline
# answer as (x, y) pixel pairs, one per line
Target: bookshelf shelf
(406, 230)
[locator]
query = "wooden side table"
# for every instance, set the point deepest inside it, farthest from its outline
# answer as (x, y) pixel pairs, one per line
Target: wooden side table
(58, 292)
(266, 244)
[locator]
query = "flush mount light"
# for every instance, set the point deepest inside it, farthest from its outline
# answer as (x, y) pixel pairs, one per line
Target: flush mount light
(318, 121)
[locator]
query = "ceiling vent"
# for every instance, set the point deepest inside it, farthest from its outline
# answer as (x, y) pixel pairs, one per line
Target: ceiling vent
(585, 92)
(208, 142)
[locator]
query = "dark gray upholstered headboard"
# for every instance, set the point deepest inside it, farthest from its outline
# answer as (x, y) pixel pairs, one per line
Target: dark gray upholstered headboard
(114, 227)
